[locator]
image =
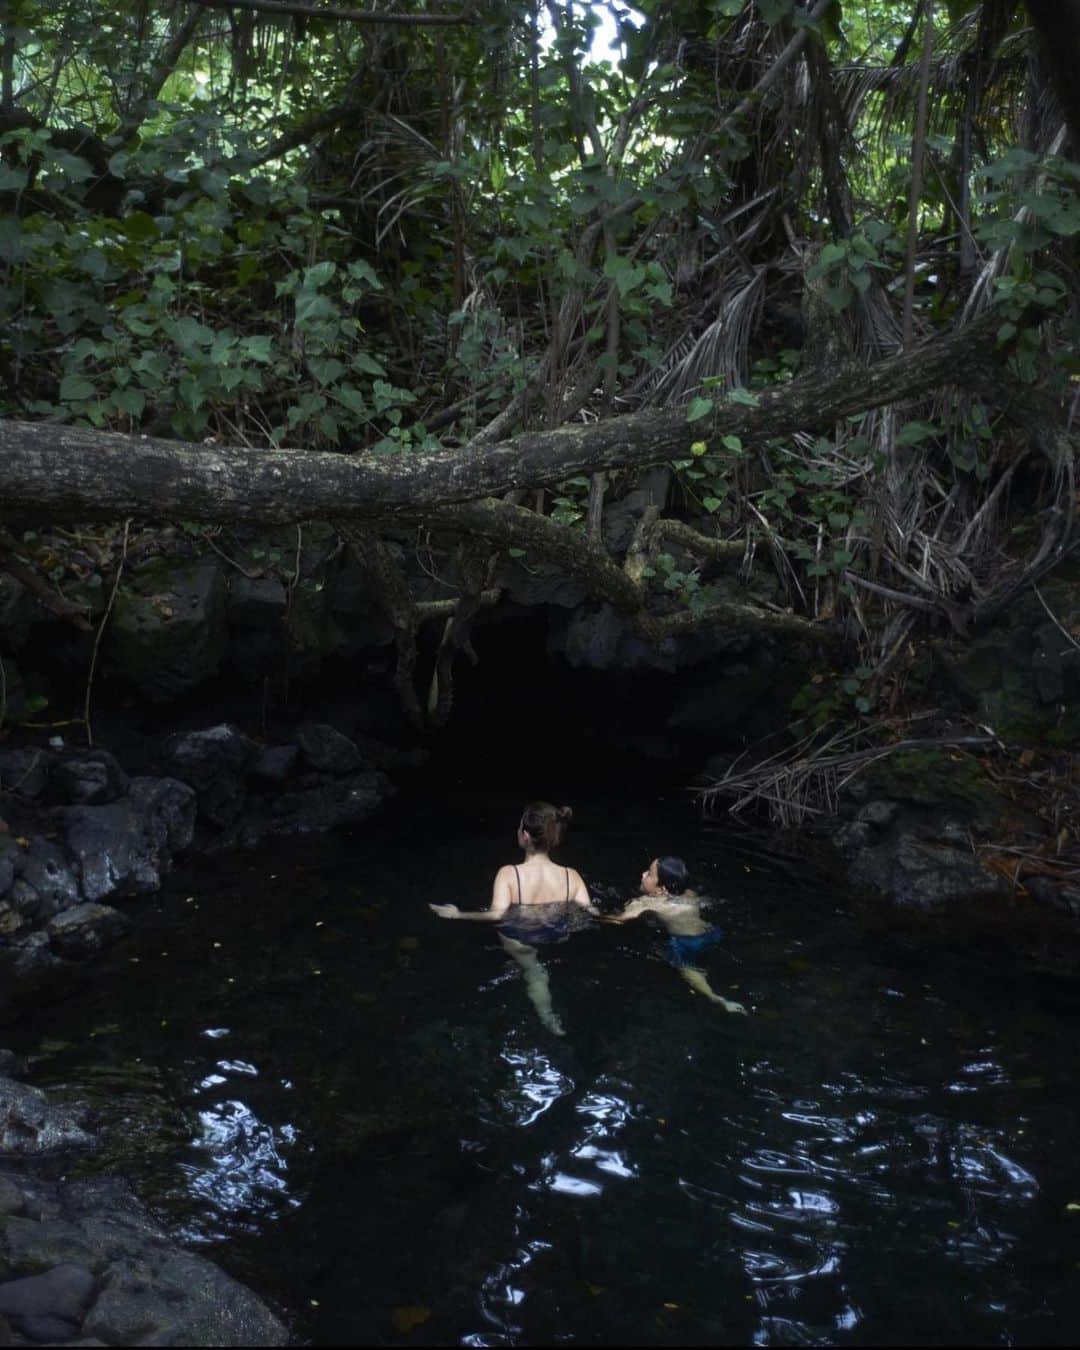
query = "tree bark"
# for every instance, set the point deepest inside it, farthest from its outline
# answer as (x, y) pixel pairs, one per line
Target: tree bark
(287, 8)
(58, 473)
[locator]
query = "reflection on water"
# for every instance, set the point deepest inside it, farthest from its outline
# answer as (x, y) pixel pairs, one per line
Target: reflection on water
(238, 1165)
(356, 1106)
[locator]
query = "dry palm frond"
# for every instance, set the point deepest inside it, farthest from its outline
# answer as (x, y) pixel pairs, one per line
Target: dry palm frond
(806, 779)
(721, 351)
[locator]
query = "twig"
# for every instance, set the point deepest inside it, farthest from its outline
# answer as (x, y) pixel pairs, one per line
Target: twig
(101, 630)
(1056, 621)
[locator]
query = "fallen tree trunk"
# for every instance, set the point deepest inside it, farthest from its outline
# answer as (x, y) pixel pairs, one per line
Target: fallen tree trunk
(64, 473)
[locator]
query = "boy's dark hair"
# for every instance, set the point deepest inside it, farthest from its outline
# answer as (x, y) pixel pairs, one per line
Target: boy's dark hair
(672, 874)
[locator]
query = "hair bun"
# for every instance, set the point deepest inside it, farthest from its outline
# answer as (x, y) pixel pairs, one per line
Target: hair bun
(565, 814)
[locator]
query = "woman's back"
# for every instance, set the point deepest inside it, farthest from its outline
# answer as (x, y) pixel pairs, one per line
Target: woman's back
(537, 881)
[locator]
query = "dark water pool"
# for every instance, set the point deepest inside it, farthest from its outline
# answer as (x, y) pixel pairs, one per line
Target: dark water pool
(353, 1107)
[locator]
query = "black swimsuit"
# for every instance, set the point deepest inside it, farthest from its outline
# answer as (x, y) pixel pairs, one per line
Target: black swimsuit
(536, 924)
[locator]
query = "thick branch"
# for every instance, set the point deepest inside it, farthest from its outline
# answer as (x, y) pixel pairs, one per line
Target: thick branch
(286, 8)
(70, 473)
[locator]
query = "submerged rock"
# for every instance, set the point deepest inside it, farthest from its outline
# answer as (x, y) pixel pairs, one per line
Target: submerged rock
(86, 930)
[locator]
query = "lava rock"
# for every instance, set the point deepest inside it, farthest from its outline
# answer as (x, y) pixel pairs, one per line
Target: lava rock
(126, 847)
(30, 1124)
(12, 1200)
(85, 931)
(44, 869)
(91, 778)
(326, 749)
(168, 632)
(332, 805)
(276, 763)
(25, 772)
(199, 758)
(48, 1307)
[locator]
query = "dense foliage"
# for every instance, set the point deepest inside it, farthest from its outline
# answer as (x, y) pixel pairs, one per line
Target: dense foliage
(278, 228)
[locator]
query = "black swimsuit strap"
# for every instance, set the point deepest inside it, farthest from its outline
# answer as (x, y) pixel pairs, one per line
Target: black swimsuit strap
(518, 875)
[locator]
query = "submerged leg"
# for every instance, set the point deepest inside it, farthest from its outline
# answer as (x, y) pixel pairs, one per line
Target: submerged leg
(700, 985)
(536, 982)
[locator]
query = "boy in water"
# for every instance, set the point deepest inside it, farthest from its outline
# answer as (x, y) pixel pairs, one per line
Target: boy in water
(678, 909)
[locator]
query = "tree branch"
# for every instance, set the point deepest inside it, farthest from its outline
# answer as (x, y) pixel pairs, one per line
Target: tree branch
(287, 8)
(71, 473)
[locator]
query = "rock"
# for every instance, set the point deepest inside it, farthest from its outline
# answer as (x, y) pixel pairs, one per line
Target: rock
(168, 629)
(88, 779)
(276, 763)
(256, 602)
(30, 954)
(25, 772)
(212, 762)
(30, 1124)
(49, 1306)
(200, 757)
(12, 1200)
(85, 931)
(534, 582)
(167, 810)
(45, 870)
(326, 749)
(126, 847)
(621, 517)
(8, 858)
(358, 621)
(911, 871)
(175, 1298)
(33, 1246)
(140, 1288)
(877, 812)
(327, 807)
(10, 1064)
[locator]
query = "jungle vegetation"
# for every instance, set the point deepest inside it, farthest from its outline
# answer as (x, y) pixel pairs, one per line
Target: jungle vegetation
(467, 266)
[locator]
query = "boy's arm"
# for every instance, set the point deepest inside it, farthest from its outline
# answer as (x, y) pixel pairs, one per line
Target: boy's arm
(632, 911)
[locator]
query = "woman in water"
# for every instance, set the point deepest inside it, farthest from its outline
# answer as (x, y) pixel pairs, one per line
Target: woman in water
(678, 909)
(530, 901)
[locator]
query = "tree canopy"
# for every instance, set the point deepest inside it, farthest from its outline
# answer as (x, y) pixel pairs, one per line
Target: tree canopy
(815, 256)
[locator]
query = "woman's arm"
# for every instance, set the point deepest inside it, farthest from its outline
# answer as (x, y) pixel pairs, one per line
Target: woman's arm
(500, 902)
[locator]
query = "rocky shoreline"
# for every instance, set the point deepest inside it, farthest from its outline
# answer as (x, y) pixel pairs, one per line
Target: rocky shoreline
(82, 1262)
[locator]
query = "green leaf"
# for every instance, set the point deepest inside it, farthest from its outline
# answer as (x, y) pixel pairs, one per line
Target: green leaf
(130, 401)
(774, 11)
(914, 433)
(732, 443)
(744, 396)
(712, 504)
(699, 408)
(75, 387)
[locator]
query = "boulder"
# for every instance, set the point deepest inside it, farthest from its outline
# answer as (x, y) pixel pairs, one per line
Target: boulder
(198, 758)
(276, 763)
(29, 1123)
(317, 809)
(168, 630)
(88, 778)
(25, 772)
(51, 1306)
(326, 749)
(114, 1277)
(85, 931)
(126, 847)
(47, 883)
